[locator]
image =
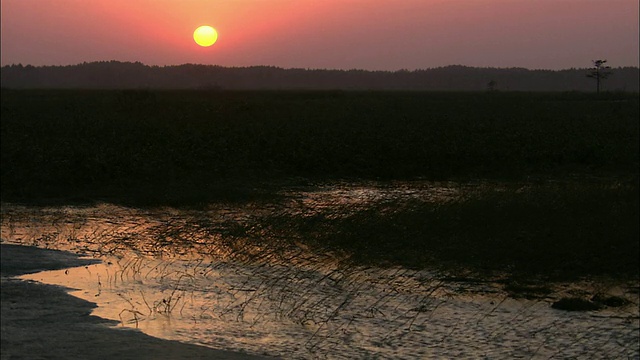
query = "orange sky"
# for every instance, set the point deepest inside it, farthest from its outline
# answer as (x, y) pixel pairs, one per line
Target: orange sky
(333, 34)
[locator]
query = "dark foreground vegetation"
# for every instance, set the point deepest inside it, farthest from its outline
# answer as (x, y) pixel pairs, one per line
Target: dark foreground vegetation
(560, 170)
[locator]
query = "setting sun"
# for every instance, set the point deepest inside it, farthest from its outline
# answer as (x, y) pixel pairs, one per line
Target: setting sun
(205, 36)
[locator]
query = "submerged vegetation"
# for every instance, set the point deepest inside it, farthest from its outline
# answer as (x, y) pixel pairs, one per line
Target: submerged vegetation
(557, 172)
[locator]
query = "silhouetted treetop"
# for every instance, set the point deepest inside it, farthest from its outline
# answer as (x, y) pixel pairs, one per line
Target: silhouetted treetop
(599, 72)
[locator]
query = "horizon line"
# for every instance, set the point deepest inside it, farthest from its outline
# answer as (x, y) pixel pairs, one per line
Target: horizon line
(308, 69)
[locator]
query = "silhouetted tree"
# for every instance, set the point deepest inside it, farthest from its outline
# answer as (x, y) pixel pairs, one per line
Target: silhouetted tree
(491, 85)
(599, 72)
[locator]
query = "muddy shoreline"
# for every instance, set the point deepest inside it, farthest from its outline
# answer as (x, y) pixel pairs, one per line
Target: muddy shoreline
(44, 322)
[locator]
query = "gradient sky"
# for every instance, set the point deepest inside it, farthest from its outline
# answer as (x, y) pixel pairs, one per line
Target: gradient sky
(325, 34)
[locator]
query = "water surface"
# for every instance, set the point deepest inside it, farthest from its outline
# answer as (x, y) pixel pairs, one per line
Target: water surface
(175, 274)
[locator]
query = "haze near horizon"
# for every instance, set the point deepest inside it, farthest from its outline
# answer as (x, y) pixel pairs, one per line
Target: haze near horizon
(331, 34)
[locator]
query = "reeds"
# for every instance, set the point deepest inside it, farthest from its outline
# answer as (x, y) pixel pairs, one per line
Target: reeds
(191, 148)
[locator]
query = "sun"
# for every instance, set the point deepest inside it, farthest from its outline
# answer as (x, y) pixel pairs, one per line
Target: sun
(205, 36)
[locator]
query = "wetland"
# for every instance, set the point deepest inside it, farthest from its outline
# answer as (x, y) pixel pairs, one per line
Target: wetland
(337, 224)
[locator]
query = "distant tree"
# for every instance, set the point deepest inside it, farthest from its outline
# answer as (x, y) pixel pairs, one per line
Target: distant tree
(599, 72)
(491, 85)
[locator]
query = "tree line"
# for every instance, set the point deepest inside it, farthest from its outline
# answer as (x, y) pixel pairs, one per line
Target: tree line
(135, 75)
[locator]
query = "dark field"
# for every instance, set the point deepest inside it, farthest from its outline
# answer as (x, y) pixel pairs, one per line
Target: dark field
(557, 172)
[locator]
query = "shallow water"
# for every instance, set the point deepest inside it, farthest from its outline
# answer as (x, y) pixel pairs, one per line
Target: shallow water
(168, 274)
(317, 313)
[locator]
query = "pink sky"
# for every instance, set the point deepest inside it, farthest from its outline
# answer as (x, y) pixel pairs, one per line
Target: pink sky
(331, 34)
